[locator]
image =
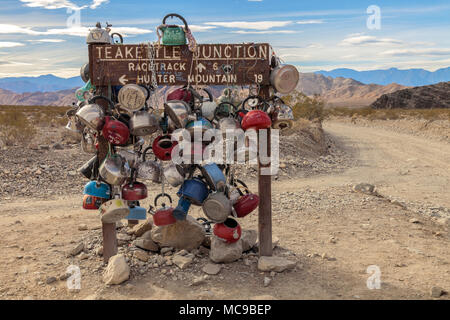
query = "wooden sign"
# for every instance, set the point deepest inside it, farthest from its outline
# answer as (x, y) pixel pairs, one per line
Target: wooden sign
(213, 64)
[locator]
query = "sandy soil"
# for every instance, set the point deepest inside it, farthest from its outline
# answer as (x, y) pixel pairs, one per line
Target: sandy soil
(334, 233)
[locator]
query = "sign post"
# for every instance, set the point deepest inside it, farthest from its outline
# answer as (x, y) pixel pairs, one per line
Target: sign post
(210, 65)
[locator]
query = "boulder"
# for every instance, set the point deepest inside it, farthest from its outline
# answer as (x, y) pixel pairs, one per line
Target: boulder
(222, 252)
(146, 244)
(117, 270)
(141, 255)
(249, 239)
(141, 228)
(187, 234)
(277, 264)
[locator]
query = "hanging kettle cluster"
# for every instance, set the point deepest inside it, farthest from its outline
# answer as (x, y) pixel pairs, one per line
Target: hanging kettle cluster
(140, 145)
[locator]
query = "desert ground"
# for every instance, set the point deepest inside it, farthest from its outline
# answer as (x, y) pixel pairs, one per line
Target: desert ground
(332, 230)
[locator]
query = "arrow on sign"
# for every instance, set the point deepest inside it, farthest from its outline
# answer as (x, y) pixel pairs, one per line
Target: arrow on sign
(201, 67)
(123, 79)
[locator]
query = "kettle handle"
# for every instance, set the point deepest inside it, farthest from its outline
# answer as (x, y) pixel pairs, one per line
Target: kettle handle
(162, 195)
(111, 104)
(210, 96)
(242, 183)
(120, 37)
(174, 15)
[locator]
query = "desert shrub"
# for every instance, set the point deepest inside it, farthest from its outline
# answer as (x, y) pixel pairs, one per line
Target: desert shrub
(15, 128)
(390, 114)
(306, 107)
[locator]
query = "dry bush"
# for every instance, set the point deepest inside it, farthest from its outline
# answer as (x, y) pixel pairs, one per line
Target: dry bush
(305, 107)
(15, 128)
(390, 114)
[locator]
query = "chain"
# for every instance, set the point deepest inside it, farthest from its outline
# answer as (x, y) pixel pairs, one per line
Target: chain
(154, 81)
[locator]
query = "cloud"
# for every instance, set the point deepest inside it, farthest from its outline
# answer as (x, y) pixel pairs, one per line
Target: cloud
(13, 29)
(258, 25)
(310, 22)
(73, 31)
(266, 32)
(61, 4)
(197, 28)
(361, 40)
(48, 40)
(4, 44)
(97, 3)
(52, 4)
(417, 52)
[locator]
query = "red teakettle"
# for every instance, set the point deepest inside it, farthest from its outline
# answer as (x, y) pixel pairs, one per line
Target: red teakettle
(164, 215)
(230, 231)
(247, 203)
(134, 191)
(163, 146)
(115, 131)
(180, 94)
(256, 119)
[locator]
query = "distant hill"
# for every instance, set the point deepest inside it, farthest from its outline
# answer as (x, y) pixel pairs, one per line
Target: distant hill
(45, 83)
(58, 98)
(342, 92)
(410, 77)
(426, 97)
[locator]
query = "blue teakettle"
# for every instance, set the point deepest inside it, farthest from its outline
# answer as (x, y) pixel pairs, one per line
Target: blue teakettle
(137, 213)
(98, 189)
(214, 176)
(194, 190)
(181, 211)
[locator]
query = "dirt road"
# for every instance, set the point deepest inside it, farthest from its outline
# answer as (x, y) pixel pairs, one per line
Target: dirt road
(332, 232)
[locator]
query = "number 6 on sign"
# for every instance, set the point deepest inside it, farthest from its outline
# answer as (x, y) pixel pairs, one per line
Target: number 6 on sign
(259, 78)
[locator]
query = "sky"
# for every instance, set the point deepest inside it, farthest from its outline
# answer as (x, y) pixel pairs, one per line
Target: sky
(49, 36)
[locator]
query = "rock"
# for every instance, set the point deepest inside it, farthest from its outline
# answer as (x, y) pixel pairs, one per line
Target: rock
(117, 270)
(99, 251)
(141, 228)
(444, 221)
(82, 227)
(267, 281)
(76, 250)
(414, 220)
(199, 281)
(44, 147)
(145, 244)
(166, 250)
(83, 256)
(326, 257)
(50, 280)
(277, 264)
(183, 262)
(437, 292)
(64, 276)
(249, 239)
(365, 188)
(57, 146)
(212, 269)
(188, 234)
(147, 235)
(141, 255)
(203, 250)
(222, 252)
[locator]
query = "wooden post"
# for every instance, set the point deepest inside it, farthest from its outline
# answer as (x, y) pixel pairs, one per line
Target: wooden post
(265, 194)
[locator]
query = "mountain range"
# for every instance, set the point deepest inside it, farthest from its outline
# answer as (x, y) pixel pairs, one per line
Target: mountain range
(409, 77)
(44, 83)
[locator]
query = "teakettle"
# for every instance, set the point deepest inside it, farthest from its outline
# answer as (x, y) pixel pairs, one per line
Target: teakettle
(181, 211)
(84, 72)
(99, 35)
(217, 207)
(143, 123)
(132, 97)
(164, 215)
(136, 212)
(230, 231)
(284, 78)
(246, 203)
(134, 191)
(92, 203)
(195, 190)
(214, 176)
(115, 132)
(149, 169)
(256, 119)
(97, 189)
(163, 147)
(86, 92)
(172, 35)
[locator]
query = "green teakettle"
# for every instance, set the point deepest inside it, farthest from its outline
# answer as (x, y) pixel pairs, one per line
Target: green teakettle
(86, 92)
(172, 35)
